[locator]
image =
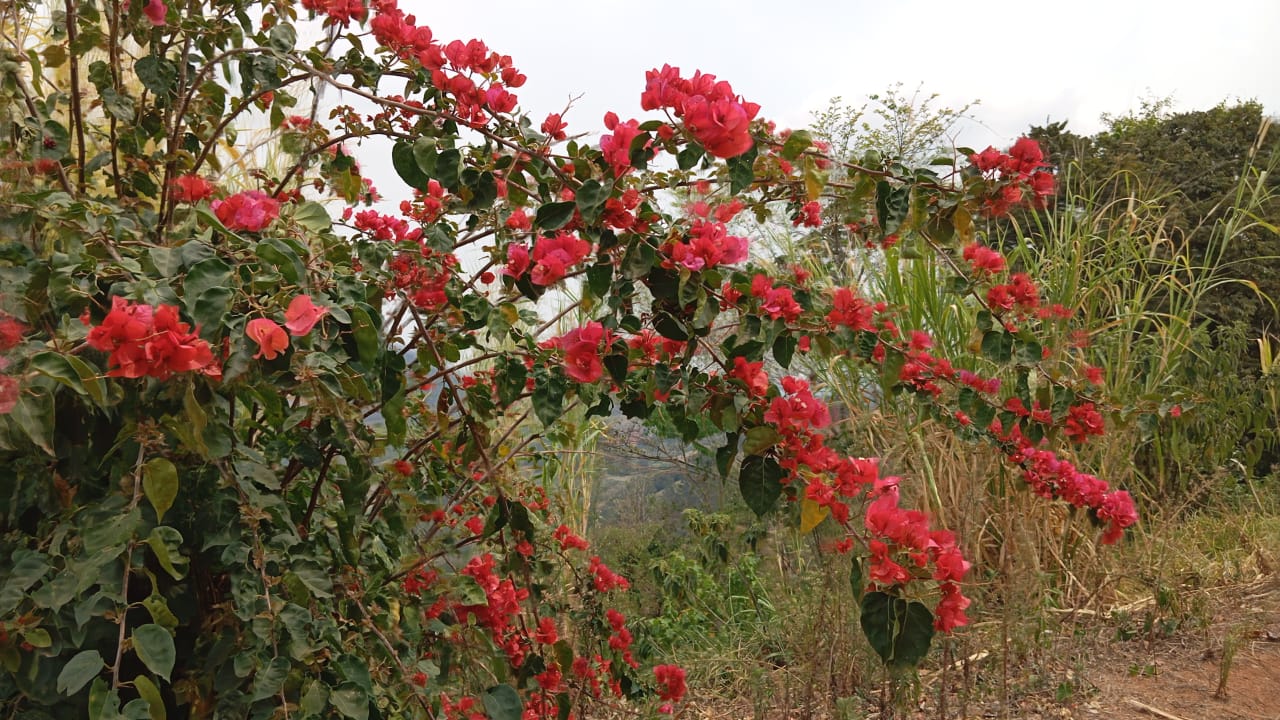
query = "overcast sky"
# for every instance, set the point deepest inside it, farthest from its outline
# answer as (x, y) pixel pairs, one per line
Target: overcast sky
(1025, 61)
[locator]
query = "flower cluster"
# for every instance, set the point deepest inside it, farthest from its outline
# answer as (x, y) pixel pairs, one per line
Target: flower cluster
(478, 79)
(832, 479)
(1051, 477)
(251, 210)
(341, 12)
(11, 332)
(1023, 164)
(552, 258)
(422, 277)
(717, 118)
(709, 245)
(581, 347)
(300, 318)
(146, 341)
(616, 147)
(191, 189)
(899, 532)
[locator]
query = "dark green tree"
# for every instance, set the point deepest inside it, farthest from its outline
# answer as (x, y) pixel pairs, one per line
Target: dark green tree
(1196, 159)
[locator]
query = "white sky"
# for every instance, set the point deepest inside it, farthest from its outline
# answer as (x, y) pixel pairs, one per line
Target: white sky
(1026, 61)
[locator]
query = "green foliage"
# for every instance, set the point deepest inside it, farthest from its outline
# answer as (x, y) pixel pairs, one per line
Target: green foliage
(259, 458)
(897, 629)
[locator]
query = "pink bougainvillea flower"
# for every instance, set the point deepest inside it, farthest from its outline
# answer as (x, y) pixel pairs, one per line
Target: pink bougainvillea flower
(191, 189)
(517, 260)
(8, 394)
(251, 210)
(271, 338)
(155, 11)
(302, 315)
(11, 332)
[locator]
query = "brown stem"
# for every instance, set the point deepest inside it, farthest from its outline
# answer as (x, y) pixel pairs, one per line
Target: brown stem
(244, 104)
(305, 525)
(128, 563)
(77, 119)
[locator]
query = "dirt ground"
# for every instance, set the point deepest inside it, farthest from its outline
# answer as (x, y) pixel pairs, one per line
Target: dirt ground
(1109, 668)
(1179, 677)
(1176, 676)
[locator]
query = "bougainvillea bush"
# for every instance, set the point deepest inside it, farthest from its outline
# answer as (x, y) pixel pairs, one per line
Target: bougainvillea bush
(266, 447)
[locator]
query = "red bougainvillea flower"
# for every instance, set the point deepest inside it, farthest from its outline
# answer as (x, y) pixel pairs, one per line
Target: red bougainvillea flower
(671, 682)
(617, 147)
(8, 394)
(709, 245)
(146, 341)
(270, 337)
(581, 348)
(517, 260)
(191, 189)
(554, 127)
(719, 120)
(752, 375)
(155, 11)
(552, 258)
(11, 332)
(302, 315)
(251, 210)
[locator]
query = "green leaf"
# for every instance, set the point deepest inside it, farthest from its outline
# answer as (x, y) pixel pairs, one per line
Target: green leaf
(899, 631)
(154, 646)
(270, 679)
(315, 579)
(34, 416)
(160, 484)
(407, 167)
(600, 279)
(590, 198)
(1028, 352)
(857, 580)
(282, 37)
(104, 704)
(37, 637)
(425, 154)
(760, 480)
(166, 544)
(156, 74)
(742, 171)
(209, 309)
(448, 168)
(548, 396)
(365, 333)
(510, 380)
(554, 216)
(150, 694)
(759, 439)
(726, 453)
(997, 345)
(689, 156)
(350, 700)
(356, 670)
(502, 702)
(283, 257)
(797, 142)
(206, 274)
(784, 348)
(314, 699)
(58, 366)
(312, 216)
(892, 205)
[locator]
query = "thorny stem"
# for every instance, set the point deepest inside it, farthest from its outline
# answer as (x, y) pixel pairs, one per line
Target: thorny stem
(128, 565)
